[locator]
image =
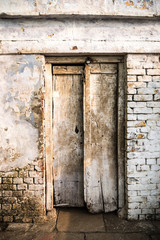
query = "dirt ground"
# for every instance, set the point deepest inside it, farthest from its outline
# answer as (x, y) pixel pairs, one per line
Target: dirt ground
(78, 224)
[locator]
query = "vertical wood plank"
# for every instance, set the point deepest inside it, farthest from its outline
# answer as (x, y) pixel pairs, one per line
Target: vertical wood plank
(120, 135)
(48, 136)
(100, 157)
(68, 136)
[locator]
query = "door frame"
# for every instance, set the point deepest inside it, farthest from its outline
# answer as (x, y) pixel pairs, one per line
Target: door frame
(119, 60)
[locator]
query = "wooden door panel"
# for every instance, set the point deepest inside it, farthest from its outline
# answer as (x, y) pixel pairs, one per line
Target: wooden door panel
(97, 106)
(100, 136)
(68, 135)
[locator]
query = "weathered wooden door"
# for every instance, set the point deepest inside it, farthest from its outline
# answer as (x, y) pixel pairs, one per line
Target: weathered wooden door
(84, 136)
(68, 135)
(100, 135)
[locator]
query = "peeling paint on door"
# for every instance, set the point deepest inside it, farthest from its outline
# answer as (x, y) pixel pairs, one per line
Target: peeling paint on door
(100, 136)
(68, 135)
(100, 149)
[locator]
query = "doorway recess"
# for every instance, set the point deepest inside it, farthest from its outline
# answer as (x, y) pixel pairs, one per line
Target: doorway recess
(84, 116)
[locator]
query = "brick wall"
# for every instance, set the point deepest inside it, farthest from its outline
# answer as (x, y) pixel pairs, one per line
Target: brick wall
(22, 195)
(143, 136)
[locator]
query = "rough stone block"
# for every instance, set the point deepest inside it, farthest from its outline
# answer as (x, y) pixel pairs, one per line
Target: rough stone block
(141, 98)
(153, 71)
(6, 207)
(7, 180)
(9, 174)
(17, 180)
(129, 98)
(136, 72)
(131, 117)
(17, 193)
(144, 78)
(28, 180)
(36, 187)
(144, 91)
(33, 174)
(8, 218)
(39, 180)
(22, 187)
(7, 193)
(23, 227)
(23, 174)
(132, 78)
(142, 110)
(156, 97)
(154, 84)
(151, 161)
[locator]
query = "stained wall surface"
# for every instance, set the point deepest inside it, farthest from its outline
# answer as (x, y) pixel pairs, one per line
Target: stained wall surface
(77, 36)
(21, 137)
(101, 8)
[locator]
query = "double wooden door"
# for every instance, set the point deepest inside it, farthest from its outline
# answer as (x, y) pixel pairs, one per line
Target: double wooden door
(85, 136)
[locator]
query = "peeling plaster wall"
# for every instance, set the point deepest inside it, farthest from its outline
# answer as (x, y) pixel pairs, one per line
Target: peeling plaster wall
(20, 120)
(79, 7)
(21, 133)
(73, 36)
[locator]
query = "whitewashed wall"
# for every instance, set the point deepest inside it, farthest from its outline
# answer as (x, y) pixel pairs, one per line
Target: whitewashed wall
(80, 8)
(71, 36)
(143, 136)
